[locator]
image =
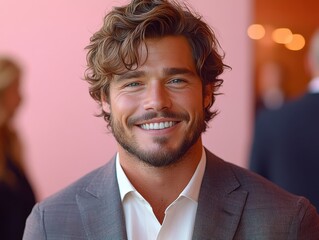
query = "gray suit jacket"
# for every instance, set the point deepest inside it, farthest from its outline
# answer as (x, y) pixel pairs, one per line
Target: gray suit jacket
(233, 204)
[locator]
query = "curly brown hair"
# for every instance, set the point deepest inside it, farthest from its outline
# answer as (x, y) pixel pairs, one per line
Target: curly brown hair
(114, 48)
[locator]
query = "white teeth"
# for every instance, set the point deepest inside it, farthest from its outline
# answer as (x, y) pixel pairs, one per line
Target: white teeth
(157, 126)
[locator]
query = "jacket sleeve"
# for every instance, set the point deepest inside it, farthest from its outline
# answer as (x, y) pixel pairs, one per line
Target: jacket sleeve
(34, 228)
(306, 224)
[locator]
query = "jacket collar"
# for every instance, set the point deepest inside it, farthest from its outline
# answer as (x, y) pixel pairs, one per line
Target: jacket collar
(100, 206)
(220, 203)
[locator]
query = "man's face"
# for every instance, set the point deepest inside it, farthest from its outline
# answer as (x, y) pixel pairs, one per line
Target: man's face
(157, 110)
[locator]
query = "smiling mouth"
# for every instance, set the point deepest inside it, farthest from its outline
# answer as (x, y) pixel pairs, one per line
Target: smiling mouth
(157, 126)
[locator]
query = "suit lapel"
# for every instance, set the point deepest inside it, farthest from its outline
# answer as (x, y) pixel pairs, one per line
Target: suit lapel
(220, 203)
(100, 206)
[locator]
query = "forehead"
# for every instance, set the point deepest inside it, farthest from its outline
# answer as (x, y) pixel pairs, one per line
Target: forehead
(174, 47)
(160, 54)
(164, 52)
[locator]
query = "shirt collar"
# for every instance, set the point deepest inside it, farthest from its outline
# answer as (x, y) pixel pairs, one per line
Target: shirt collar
(191, 191)
(125, 185)
(314, 85)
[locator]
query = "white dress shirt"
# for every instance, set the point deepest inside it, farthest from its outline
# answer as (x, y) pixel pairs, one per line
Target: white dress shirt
(314, 85)
(142, 224)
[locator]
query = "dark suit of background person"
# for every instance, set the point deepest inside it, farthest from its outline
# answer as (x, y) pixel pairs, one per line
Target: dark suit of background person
(16, 195)
(286, 141)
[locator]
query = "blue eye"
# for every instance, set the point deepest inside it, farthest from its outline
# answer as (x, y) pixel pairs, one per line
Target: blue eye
(176, 80)
(177, 83)
(133, 84)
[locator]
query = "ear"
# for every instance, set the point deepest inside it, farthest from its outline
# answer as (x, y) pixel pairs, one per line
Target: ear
(208, 94)
(105, 103)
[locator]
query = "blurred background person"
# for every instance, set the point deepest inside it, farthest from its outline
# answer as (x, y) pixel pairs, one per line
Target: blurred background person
(285, 146)
(16, 195)
(270, 87)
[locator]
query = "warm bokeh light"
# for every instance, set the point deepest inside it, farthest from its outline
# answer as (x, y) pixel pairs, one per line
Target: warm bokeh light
(256, 31)
(282, 35)
(297, 43)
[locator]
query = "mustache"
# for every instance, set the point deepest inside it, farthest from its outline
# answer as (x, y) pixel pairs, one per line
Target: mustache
(151, 115)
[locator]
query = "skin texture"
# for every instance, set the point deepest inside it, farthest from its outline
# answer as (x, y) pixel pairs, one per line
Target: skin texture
(164, 89)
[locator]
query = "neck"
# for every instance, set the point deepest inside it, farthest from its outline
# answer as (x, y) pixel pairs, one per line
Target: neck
(160, 186)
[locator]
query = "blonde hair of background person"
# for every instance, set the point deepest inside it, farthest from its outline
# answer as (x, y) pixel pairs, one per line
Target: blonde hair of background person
(9, 101)
(16, 194)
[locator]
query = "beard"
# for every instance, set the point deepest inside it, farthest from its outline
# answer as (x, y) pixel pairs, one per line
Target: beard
(164, 156)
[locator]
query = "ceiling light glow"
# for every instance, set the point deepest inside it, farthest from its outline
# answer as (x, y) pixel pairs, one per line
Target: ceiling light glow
(282, 35)
(256, 31)
(297, 43)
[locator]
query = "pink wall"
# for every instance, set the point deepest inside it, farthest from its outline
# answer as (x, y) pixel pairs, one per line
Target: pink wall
(63, 140)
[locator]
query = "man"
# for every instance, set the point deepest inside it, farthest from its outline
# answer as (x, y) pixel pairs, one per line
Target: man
(154, 68)
(286, 142)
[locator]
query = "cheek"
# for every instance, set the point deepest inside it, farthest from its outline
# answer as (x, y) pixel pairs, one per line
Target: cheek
(195, 100)
(123, 107)
(193, 106)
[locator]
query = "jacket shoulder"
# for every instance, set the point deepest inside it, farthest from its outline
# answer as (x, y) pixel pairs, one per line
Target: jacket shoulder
(67, 195)
(262, 193)
(268, 210)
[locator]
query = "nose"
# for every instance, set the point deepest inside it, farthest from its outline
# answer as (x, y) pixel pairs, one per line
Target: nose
(157, 97)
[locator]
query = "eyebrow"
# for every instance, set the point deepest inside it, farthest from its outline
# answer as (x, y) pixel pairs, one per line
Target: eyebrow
(166, 72)
(177, 71)
(130, 75)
